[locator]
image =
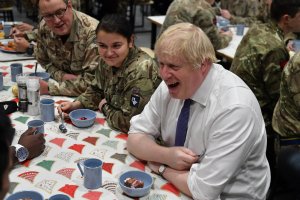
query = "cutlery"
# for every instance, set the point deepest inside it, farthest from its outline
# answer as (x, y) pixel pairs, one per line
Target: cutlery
(62, 126)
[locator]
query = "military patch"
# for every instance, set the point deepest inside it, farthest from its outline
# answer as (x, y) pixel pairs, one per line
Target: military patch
(283, 63)
(135, 100)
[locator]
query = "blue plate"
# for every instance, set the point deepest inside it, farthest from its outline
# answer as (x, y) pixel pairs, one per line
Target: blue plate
(59, 197)
(26, 194)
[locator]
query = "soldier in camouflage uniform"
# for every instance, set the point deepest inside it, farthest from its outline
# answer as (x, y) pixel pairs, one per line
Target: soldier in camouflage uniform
(201, 14)
(125, 78)
(286, 122)
(240, 11)
(260, 58)
(66, 48)
(286, 117)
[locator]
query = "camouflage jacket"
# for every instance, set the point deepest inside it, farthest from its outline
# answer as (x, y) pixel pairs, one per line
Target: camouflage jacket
(31, 35)
(199, 13)
(286, 117)
(126, 89)
(242, 12)
(259, 61)
(78, 55)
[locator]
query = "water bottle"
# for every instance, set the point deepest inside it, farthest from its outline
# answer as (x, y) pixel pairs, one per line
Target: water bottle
(33, 95)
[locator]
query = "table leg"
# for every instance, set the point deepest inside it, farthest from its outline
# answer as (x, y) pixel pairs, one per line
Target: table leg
(153, 34)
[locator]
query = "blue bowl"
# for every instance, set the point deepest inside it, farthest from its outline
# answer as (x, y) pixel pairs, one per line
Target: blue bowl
(139, 175)
(59, 197)
(82, 118)
(26, 194)
(43, 75)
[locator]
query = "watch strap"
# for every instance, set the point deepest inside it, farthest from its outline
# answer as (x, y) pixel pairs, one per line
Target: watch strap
(162, 169)
(18, 146)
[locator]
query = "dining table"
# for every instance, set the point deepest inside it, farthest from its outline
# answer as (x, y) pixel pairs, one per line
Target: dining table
(227, 52)
(55, 170)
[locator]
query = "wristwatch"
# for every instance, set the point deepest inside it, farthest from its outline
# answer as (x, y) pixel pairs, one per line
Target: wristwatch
(21, 152)
(30, 49)
(162, 169)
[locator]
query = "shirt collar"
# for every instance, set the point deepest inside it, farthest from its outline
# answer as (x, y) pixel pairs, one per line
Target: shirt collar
(202, 94)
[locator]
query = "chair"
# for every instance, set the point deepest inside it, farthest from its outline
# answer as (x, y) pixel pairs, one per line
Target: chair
(6, 13)
(148, 51)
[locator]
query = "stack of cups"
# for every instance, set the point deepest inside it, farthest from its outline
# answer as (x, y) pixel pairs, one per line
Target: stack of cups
(16, 68)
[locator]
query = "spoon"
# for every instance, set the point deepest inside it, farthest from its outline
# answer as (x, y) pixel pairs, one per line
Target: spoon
(62, 126)
(36, 65)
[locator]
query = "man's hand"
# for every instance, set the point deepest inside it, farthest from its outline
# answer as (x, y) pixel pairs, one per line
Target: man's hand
(43, 87)
(68, 106)
(225, 13)
(181, 158)
(102, 102)
(21, 44)
(69, 77)
(34, 143)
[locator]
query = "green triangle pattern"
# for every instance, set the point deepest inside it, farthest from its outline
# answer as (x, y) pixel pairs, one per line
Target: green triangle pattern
(22, 119)
(47, 164)
(105, 132)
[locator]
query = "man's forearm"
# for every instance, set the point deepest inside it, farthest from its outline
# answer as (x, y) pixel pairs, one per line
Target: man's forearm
(147, 150)
(178, 179)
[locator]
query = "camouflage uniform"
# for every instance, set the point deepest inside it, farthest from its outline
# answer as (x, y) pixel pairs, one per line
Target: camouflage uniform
(199, 13)
(286, 117)
(259, 61)
(263, 11)
(126, 90)
(241, 11)
(78, 55)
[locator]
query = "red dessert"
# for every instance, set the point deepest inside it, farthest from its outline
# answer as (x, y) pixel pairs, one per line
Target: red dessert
(133, 183)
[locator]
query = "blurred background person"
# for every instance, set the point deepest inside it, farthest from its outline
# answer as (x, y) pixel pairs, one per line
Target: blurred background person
(261, 57)
(66, 48)
(201, 14)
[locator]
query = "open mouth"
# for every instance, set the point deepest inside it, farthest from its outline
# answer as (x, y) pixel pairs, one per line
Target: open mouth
(173, 85)
(59, 26)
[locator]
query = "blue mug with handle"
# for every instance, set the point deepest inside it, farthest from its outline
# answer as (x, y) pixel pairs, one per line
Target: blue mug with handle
(91, 172)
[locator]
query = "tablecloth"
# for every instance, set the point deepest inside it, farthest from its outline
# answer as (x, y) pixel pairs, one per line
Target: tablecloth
(55, 171)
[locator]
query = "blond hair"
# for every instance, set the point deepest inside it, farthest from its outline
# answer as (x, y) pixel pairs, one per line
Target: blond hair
(187, 40)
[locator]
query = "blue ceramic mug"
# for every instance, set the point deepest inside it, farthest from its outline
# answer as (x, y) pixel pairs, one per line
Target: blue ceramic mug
(47, 110)
(38, 124)
(91, 172)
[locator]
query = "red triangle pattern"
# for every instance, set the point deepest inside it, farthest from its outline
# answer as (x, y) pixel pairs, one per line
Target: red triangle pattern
(58, 141)
(171, 188)
(30, 175)
(139, 165)
(91, 140)
(92, 195)
(123, 136)
(26, 163)
(77, 147)
(4, 67)
(100, 121)
(108, 167)
(67, 172)
(69, 189)
(4, 73)
(29, 66)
